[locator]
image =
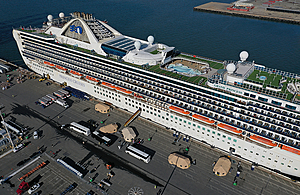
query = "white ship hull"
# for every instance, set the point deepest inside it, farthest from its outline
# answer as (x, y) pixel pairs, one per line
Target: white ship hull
(245, 149)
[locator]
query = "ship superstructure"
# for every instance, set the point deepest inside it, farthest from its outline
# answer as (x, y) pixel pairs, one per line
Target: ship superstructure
(87, 54)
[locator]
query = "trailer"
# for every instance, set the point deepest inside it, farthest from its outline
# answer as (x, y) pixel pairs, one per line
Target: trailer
(59, 94)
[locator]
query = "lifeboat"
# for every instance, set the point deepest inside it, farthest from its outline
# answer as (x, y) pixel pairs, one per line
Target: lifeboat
(290, 149)
(138, 96)
(92, 80)
(48, 64)
(61, 69)
(123, 90)
(108, 85)
(263, 140)
(75, 74)
(180, 110)
(229, 128)
(203, 118)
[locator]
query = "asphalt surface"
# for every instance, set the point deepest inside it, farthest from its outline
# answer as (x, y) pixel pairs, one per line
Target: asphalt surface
(131, 175)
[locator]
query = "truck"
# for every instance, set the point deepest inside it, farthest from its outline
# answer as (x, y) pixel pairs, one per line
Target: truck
(59, 94)
(64, 92)
(61, 102)
(48, 99)
(52, 97)
(43, 102)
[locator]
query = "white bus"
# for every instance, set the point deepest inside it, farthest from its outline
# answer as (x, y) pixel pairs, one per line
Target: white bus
(137, 153)
(80, 129)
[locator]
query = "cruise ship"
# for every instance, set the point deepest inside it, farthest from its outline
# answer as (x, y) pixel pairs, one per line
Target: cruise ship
(227, 104)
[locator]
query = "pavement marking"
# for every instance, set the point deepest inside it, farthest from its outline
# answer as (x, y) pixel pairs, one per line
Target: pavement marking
(8, 152)
(25, 166)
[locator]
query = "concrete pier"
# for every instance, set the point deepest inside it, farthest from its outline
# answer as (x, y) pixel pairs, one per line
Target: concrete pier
(260, 11)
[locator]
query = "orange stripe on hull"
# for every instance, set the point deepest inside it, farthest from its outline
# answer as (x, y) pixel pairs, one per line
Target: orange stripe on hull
(290, 149)
(203, 118)
(180, 110)
(230, 128)
(263, 140)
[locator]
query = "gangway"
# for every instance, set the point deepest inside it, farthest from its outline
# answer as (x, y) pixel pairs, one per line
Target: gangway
(133, 117)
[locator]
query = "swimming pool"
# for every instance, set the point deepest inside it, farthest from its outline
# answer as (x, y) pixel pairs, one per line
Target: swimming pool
(262, 78)
(179, 68)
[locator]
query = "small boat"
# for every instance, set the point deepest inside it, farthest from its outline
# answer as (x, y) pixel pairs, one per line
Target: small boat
(229, 128)
(138, 96)
(290, 149)
(76, 74)
(92, 79)
(123, 90)
(61, 69)
(108, 85)
(180, 110)
(49, 64)
(203, 118)
(263, 140)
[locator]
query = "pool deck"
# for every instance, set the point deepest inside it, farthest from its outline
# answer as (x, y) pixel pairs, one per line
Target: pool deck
(259, 11)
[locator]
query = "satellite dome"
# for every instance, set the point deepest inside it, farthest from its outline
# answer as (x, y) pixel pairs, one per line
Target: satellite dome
(137, 45)
(150, 39)
(230, 68)
(61, 15)
(50, 17)
(244, 55)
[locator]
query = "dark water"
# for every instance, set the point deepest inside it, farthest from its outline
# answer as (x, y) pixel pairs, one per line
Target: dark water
(273, 44)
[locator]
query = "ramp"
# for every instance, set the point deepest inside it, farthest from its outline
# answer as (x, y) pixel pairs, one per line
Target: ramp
(136, 114)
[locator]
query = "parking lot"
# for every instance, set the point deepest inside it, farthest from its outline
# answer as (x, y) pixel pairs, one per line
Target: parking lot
(130, 174)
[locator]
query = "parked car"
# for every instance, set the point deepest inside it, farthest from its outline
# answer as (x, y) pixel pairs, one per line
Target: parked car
(35, 135)
(33, 188)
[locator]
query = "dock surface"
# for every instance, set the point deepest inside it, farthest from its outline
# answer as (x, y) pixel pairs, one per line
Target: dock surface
(259, 11)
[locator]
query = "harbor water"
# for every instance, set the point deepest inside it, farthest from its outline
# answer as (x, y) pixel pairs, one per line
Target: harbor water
(222, 37)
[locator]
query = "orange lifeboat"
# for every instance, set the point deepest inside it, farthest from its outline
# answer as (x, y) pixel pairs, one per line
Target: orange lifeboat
(263, 140)
(48, 64)
(230, 128)
(138, 96)
(123, 90)
(180, 110)
(108, 85)
(290, 149)
(60, 68)
(76, 74)
(203, 118)
(91, 79)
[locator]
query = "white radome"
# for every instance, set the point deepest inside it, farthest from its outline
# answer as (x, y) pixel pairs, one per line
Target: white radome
(150, 39)
(61, 15)
(50, 17)
(230, 68)
(244, 55)
(137, 45)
